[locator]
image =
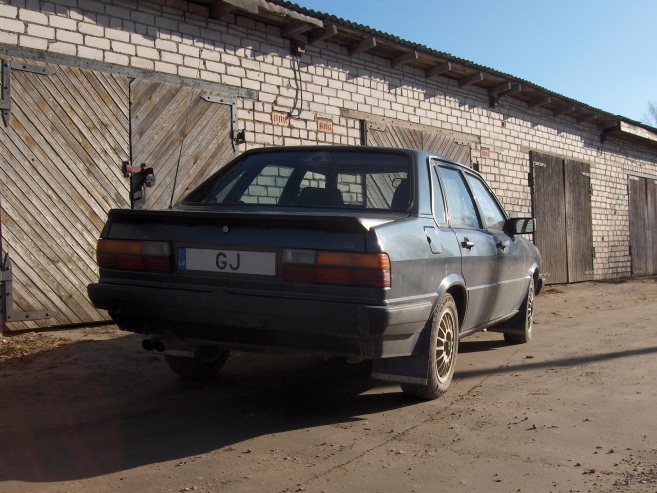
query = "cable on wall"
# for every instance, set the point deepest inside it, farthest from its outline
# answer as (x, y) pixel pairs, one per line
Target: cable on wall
(296, 50)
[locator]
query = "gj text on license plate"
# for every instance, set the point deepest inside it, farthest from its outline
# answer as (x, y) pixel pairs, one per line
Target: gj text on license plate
(227, 261)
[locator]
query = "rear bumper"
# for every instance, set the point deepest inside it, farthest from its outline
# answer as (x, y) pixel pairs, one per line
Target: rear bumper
(253, 321)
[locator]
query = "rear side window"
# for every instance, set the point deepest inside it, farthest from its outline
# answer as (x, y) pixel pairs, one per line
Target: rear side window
(491, 213)
(461, 208)
(340, 179)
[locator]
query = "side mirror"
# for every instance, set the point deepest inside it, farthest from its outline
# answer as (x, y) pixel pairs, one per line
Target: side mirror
(519, 225)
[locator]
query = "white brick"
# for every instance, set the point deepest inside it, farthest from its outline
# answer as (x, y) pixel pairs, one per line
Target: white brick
(172, 58)
(32, 17)
(8, 11)
(142, 17)
(188, 72)
(8, 38)
(218, 68)
(63, 23)
(192, 62)
(92, 29)
(92, 6)
(125, 48)
(166, 23)
(211, 55)
(117, 58)
(91, 53)
(150, 53)
(39, 31)
(100, 43)
(251, 84)
(236, 71)
(117, 35)
(210, 76)
(64, 48)
(35, 43)
(233, 81)
(167, 68)
(165, 45)
(142, 63)
(140, 39)
(12, 26)
(189, 50)
(116, 11)
(69, 37)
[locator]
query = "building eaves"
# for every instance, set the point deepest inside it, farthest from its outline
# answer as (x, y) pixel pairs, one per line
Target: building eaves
(308, 26)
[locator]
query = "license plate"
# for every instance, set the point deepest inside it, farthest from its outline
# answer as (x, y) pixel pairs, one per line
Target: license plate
(227, 261)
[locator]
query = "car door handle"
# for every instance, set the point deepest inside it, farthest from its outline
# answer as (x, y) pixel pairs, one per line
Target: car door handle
(467, 244)
(502, 245)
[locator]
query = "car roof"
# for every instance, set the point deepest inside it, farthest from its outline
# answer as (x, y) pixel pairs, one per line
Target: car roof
(418, 154)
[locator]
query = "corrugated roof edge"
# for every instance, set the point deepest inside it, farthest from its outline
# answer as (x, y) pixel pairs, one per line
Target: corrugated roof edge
(416, 46)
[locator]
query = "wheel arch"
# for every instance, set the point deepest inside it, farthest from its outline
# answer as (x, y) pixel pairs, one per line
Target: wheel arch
(455, 286)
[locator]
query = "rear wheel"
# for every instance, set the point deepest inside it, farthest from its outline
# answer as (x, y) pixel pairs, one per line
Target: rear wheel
(443, 348)
(524, 320)
(205, 364)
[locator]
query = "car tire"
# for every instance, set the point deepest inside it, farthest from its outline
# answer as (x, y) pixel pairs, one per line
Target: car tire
(523, 321)
(204, 365)
(443, 348)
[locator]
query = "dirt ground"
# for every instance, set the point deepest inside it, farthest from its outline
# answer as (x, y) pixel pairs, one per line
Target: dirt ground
(575, 410)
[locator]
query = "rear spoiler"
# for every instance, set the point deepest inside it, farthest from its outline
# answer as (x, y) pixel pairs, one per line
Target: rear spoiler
(330, 221)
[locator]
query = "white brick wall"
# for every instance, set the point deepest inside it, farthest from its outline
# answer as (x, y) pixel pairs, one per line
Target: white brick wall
(178, 39)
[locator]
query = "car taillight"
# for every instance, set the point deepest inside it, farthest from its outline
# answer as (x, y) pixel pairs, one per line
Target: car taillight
(146, 256)
(342, 268)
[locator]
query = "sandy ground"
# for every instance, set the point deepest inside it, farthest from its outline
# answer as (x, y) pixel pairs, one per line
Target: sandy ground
(575, 410)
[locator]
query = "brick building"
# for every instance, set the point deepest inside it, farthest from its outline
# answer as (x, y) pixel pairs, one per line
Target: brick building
(185, 85)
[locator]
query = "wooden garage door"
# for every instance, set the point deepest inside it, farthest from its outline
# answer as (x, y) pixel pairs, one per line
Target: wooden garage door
(61, 172)
(562, 207)
(643, 225)
(388, 135)
(182, 132)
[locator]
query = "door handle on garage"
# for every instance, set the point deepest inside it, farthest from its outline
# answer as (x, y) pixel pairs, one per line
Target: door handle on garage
(467, 244)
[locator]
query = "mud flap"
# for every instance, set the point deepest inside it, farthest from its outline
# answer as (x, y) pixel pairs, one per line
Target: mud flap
(406, 369)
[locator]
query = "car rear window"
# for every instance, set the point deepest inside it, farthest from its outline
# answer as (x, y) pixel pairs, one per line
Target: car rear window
(323, 179)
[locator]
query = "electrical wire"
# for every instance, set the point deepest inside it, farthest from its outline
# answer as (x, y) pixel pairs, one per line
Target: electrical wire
(298, 95)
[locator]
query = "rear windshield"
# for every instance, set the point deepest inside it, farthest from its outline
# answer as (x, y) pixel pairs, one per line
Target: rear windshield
(324, 179)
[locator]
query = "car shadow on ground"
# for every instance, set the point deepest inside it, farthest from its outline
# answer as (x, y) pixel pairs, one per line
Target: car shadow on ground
(91, 408)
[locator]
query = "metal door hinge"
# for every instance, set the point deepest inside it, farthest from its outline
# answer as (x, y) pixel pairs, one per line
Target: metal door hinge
(236, 136)
(5, 100)
(7, 313)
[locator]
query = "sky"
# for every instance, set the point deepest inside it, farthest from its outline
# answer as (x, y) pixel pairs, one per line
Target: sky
(599, 52)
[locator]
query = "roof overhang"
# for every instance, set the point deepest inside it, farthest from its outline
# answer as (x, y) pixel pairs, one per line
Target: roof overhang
(631, 132)
(303, 26)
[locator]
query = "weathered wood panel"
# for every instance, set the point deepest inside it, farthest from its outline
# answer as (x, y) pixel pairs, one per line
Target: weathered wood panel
(651, 202)
(550, 213)
(643, 225)
(61, 173)
(183, 137)
(579, 227)
(388, 135)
